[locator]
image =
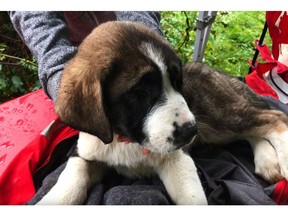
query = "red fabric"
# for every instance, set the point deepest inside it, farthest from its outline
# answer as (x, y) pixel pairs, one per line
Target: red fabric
(259, 85)
(277, 22)
(255, 79)
(280, 194)
(21, 120)
(277, 36)
(270, 62)
(23, 149)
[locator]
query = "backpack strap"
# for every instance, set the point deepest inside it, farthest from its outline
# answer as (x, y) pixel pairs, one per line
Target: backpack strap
(260, 43)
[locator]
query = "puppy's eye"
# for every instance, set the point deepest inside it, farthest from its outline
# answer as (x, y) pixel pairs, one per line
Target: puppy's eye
(149, 86)
(151, 81)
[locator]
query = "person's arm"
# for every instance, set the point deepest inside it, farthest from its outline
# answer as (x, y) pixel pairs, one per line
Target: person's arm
(46, 35)
(148, 18)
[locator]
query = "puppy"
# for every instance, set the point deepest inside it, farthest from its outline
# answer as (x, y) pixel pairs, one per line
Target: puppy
(125, 87)
(122, 91)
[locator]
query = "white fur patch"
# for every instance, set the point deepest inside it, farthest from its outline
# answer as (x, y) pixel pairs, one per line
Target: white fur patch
(265, 159)
(72, 185)
(154, 55)
(114, 154)
(159, 123)
(279, 141)
(179, 175)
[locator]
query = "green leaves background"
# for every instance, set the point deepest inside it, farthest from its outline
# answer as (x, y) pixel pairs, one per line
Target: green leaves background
(230, 44)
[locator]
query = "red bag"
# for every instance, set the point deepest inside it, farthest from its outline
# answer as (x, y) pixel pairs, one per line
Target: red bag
(271, 77)
(29, 131)
(267, 78)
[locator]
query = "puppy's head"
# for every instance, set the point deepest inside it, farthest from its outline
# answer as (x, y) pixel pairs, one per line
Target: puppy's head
(126, 79)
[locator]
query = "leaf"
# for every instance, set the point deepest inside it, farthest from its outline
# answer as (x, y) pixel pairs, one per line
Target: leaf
(17, 82)
(2, 47)
(2, 84)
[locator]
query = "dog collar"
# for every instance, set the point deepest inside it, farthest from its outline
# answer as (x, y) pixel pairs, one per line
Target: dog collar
(126, 140)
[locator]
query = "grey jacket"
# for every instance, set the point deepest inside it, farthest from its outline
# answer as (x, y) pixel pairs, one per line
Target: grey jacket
(53, 36)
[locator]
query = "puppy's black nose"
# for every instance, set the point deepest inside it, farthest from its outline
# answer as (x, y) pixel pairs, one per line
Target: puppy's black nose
(188, 130)
(184, 134)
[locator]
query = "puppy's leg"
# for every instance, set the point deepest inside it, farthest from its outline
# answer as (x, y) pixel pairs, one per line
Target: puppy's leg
(265, 159)
(275, 131)
(74, 182)
(179, 175)
(279, 140)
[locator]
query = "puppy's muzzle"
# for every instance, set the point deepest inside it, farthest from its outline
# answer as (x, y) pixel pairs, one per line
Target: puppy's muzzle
(184, 134)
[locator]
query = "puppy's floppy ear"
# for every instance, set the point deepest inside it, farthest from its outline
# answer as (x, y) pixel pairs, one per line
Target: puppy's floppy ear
(80, 101)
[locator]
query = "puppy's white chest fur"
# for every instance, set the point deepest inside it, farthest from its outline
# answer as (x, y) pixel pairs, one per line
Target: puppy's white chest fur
(176, 170)
(128, 159)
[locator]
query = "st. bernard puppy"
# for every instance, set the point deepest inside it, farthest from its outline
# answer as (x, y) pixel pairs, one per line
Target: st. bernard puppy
(124, 91)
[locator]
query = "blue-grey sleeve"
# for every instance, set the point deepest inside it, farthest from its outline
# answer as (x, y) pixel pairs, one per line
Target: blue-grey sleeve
(46, 35)
(148, 18)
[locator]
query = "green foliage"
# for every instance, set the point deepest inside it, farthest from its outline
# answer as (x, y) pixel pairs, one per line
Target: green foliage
(18, 69)
(17, 77)
(230, 43)
(178, 28)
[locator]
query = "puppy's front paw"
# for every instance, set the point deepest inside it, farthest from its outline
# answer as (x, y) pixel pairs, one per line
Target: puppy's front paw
(50, 199)
(195, 198)
(179, 175)
(268, 168)
(274, 157)
(56, 196)
(266, 162)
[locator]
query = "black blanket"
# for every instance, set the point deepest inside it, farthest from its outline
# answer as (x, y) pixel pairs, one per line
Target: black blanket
(227, 175)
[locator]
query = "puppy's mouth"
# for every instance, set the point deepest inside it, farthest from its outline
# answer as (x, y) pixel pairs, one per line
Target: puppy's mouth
(124, 139)
(166, 148)
(127, 140)
(147, 147)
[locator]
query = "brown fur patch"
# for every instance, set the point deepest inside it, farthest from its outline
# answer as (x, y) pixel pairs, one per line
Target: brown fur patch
(225, 108)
